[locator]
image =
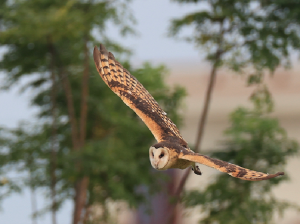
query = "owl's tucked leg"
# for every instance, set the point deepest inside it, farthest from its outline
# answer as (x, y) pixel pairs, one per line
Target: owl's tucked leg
(196, 169)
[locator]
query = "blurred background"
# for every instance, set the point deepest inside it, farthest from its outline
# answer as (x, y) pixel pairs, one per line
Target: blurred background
(86, 168)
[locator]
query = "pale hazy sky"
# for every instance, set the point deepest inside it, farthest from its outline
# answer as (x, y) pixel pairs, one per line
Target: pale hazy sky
(152, 44)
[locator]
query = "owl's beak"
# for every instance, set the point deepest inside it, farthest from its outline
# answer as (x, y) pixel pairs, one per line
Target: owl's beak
(156, 164)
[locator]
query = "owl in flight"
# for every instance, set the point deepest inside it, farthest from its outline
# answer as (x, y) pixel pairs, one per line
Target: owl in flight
(172, 150)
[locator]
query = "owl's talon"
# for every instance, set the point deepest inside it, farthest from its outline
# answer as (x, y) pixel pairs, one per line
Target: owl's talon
(197, 170)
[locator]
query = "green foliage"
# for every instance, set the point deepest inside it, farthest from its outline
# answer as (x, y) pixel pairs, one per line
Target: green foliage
(30, 28)
(243, 34)
(256, 141)
(43, 36)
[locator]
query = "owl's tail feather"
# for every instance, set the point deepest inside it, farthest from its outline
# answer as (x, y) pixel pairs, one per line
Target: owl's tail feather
(231, 169)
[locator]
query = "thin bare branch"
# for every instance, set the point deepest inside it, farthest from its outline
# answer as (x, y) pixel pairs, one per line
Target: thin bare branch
(84, 94)
(54, 134)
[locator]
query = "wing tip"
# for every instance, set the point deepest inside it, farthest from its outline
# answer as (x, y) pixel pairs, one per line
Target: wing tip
(96, 54)
(275, 175)
(280, 174)
(110, 55)
(270, 176)
(103, 50)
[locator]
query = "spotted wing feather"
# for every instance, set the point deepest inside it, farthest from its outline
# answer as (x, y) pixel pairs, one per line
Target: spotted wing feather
(225, 167)
(134, 95)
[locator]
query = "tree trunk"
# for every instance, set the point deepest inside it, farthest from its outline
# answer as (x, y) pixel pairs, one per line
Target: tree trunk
(82, 184)
(80, 199)
(71, 110)
(78, 135)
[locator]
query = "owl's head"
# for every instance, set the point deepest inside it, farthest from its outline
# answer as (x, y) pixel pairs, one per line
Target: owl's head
(159, 157)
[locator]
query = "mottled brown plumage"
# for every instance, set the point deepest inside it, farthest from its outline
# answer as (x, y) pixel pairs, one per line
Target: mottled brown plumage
(172, 150)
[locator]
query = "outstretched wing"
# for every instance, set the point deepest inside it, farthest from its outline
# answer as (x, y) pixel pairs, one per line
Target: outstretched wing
(134, 95)
(225, 167)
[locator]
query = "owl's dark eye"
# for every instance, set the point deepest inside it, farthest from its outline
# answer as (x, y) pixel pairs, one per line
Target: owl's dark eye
(161, 155)
(152, 154)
